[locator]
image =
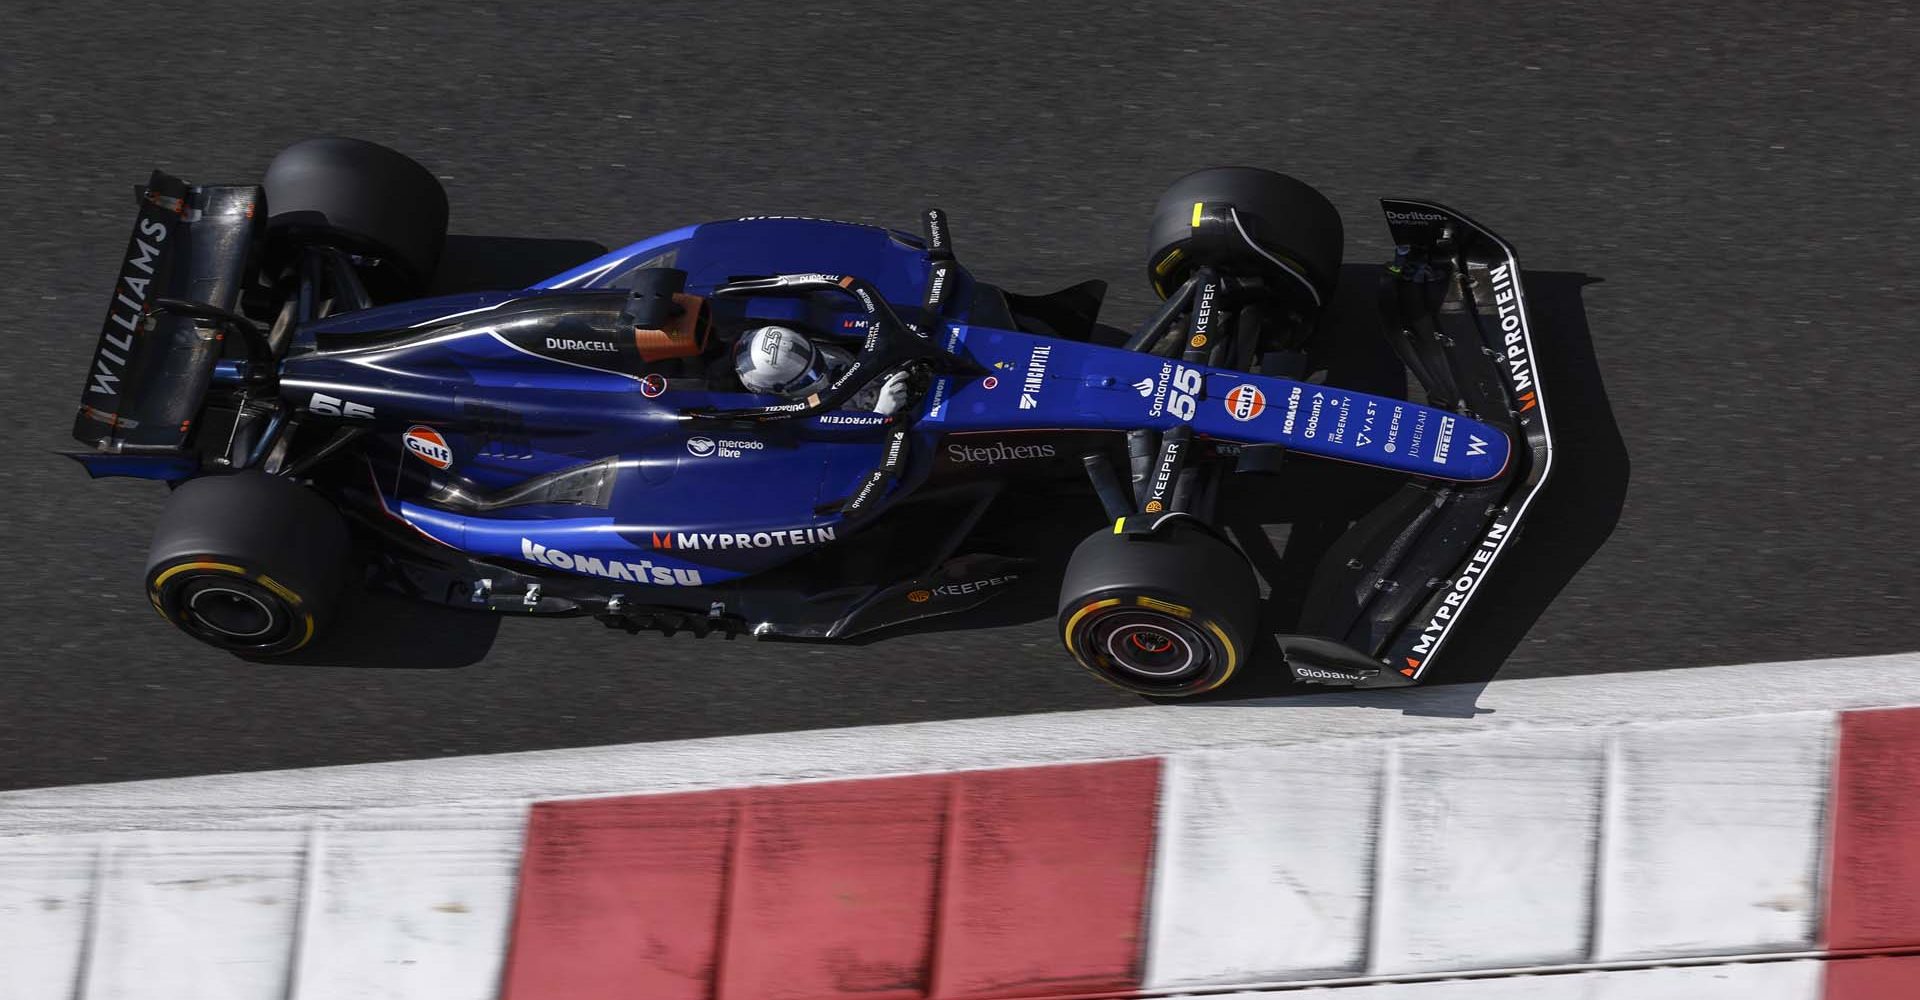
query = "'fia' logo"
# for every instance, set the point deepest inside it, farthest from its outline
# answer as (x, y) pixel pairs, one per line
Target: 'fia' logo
(429, 446)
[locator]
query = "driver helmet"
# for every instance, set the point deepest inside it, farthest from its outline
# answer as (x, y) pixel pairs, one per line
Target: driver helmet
(782, 361)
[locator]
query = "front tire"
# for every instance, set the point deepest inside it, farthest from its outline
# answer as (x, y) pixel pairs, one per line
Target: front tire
(1167, 615)
(1286, 229)
(250, 563)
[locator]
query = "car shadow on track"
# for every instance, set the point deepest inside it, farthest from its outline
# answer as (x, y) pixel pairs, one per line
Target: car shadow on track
(486, 263)
(384, 631)
(1569, 522)
(1286, 522)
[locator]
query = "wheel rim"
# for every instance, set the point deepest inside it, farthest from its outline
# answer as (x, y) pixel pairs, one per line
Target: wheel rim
(1148, 648)
(232, 612)
(229, 612)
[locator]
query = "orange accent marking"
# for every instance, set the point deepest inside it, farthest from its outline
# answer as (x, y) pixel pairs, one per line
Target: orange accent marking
(1411, 662)
(684, 336)
(1407, 671)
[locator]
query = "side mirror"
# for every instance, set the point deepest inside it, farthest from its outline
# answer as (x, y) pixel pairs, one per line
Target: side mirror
(650, 305)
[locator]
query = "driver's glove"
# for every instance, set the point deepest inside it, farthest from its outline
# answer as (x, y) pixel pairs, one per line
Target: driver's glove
(894, 393)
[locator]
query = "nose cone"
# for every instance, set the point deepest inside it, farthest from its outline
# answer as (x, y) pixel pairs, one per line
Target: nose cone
(1469, 450)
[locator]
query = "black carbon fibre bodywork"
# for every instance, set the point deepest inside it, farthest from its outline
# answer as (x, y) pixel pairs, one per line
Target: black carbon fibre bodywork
(1390, 592)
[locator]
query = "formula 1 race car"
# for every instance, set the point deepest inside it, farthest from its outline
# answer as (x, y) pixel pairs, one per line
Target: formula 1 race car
(585, 446)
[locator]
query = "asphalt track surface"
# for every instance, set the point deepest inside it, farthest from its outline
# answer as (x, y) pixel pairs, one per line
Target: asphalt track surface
(1717, 215)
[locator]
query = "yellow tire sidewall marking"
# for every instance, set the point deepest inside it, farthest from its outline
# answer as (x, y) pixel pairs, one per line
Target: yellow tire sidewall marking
(173, 571)
(293, 600)
(1082, 613)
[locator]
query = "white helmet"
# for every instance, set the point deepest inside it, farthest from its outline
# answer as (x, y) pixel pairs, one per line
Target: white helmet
(780, 360)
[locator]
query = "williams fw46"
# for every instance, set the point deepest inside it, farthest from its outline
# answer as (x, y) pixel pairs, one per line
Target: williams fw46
(601, 444)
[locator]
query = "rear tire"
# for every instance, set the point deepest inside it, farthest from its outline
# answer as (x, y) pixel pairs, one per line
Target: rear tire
(250, 563)
(1294, 227)
(1168, 615)
(363, 198)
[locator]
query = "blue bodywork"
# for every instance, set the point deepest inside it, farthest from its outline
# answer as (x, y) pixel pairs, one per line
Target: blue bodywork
(657, 499)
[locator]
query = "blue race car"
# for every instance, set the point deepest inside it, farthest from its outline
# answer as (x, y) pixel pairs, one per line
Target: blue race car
(795, 427)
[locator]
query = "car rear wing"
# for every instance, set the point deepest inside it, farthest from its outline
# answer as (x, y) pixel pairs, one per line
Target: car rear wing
(1390, 592)
(150, 370)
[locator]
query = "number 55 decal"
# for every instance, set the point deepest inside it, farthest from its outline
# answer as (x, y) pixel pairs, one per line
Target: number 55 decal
(334, 406)
(1186, 385)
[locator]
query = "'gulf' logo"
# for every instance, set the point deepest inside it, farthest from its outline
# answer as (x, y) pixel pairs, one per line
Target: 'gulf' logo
(430, 446)
(1246, 402)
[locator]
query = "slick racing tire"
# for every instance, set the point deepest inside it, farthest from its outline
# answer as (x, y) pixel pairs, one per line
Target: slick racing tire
(1168, 615)
(363, 198)
(1286, 231)
(251, 563)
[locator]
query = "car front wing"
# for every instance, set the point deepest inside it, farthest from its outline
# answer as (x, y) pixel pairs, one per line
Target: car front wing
(1390, 593)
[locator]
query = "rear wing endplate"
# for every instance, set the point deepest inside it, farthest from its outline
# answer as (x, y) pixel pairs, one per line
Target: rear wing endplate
(150, 369)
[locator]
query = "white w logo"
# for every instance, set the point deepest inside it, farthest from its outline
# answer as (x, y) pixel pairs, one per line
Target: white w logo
(1475, 446)
(1145, 386)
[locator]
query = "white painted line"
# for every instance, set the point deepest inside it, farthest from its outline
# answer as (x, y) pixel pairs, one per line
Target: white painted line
(1795, 980)
(1799, 980)
(46, 895)
(1265, 863)
(204, 914)
(1494, 853)
(1719, 837)
(286, 797)
(420, 910)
